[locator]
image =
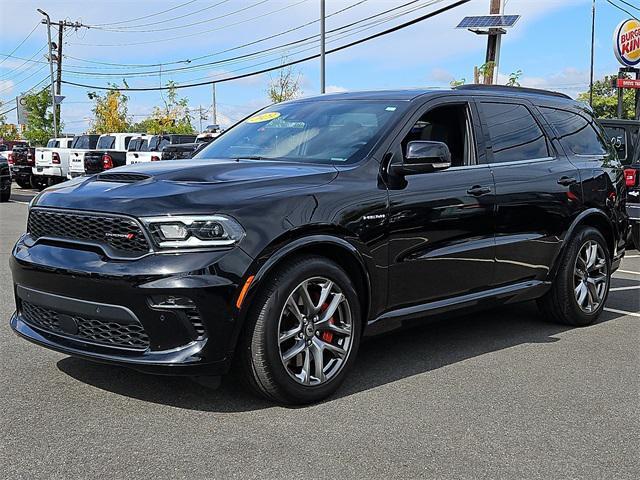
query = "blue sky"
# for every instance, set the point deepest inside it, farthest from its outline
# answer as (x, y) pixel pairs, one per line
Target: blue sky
(550, 44)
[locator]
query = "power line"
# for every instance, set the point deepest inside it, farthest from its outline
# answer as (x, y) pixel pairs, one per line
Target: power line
(175, 27)
(158, 40)
(21, 43)
(17, 71)
(307, 40)
(286, 64)
(220, 52)
(622, 9)
(630, 4)
(148, 16)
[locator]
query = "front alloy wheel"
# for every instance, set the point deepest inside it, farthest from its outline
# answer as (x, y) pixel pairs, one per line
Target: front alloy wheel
(302, 333)
(315, 331)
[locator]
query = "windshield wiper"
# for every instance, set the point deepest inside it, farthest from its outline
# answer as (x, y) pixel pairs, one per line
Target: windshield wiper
(252, 157)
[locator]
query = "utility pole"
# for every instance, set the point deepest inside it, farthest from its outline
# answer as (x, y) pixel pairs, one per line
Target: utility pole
(322, 46)
(214, 113)
(492, 59)
(53, 87)
(59, 72)
(593, 45)
(200, 117)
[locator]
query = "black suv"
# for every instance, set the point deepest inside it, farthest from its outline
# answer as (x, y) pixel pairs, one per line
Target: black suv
(316, 221)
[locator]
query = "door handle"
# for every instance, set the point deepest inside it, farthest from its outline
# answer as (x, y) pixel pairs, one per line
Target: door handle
(567, 181)
(478, 190)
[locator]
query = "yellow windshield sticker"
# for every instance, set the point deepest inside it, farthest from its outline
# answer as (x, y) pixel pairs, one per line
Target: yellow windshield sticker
(263, 117)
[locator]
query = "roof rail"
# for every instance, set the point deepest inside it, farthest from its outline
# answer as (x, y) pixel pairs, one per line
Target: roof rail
(507, 89)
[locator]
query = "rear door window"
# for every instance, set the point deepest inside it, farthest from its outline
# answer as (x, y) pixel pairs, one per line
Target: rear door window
(515, 134)
(53, 143)
(577, 134)
(106, 142)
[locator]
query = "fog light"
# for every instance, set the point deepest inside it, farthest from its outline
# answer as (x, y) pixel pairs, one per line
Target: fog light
(171, 301)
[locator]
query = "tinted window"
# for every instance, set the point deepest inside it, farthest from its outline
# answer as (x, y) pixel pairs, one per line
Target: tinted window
(53, 143)
(134, 145)
(515, 135)
(3, 148)
(577, 134)
(153, 143)
(106, 142)
(126, 142)
(618, 138)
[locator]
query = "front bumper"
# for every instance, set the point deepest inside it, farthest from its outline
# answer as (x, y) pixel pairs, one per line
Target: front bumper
(21, 171)
(86, 286)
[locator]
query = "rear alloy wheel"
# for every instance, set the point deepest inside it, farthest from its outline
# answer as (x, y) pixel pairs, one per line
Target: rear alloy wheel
(302, 333)
(581, 286)
(590, 277)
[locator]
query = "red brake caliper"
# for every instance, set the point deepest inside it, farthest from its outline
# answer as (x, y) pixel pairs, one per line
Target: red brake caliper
(327, 336)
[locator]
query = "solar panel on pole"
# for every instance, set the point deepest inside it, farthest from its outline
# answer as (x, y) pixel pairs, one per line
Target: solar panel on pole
(489, 21)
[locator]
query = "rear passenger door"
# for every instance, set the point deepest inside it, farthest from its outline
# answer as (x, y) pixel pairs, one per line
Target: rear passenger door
(537, 190)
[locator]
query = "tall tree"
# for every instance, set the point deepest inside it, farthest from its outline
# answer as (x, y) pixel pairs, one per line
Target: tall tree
(605, 99)
(39, 119)
(172, 117)
(110, 111)
(285, 86)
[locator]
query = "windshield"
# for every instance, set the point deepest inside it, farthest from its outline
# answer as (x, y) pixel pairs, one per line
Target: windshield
(329, 132)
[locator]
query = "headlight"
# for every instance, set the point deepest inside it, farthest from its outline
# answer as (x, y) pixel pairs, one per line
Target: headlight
(194, 231)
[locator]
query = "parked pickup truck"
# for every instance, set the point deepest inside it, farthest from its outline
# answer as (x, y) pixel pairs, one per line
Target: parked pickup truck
(182, 151)
(22, 167)
(157, 144)
(136, 146)
(81, 144)
(110, 152)
(52, 162)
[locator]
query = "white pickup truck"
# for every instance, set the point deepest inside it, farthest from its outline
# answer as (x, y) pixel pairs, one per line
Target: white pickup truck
(52, 162)
(81, 144)
(110, 152)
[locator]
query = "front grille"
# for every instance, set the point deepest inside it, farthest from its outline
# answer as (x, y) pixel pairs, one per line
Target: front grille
(122, 177)
(112, 334)
(122, 234)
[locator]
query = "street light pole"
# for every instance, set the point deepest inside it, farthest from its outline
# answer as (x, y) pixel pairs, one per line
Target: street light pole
(53, 87)
(322, 46)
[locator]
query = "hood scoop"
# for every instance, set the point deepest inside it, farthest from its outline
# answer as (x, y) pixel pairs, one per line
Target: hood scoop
(122, 177)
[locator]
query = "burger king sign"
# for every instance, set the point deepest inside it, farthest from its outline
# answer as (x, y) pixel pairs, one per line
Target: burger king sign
(627, 43)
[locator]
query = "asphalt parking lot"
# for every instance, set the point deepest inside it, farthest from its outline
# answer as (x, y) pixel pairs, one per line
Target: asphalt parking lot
(498, 395)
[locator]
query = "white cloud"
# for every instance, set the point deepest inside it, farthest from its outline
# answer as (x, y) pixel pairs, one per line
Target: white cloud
(335, 89)
(6, 87)
(570, 80)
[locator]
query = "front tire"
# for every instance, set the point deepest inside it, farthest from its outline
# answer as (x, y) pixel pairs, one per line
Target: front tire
(581, 286)
(302, 333)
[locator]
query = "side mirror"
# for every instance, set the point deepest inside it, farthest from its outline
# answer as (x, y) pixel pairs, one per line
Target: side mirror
(423, 157)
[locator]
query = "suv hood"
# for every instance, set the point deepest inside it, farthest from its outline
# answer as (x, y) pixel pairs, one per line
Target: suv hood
(183, 186)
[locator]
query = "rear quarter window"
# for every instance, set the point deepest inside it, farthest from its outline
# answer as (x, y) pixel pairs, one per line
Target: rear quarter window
(576, 133)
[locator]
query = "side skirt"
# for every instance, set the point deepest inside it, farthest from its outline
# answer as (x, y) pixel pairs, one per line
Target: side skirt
(519, 292)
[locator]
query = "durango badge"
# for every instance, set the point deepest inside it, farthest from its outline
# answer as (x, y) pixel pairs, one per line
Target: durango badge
(626, 43)
(128, 236)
